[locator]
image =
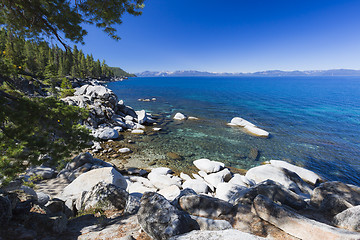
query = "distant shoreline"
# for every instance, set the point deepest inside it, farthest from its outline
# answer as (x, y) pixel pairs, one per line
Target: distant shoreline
(270, 73)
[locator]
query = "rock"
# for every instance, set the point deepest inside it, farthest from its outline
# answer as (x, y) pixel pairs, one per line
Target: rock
(202, 174)
(139, 126)
(160, 219)
(124, 150)
(193, 118)
(229, 234)
(5, 210)
(58, 223)
(42, 172)
(174, 156)
(162, 170)
(211, 224)
(272, 190)
(257, 132)
(334, 204)
(105, 196)
(297, 225)
(42, 198)
(29, 192)
(348, 195)
(349, 219)
(245, 220)
(184, 176)
(179, 116)
(216, 178)
(237, 121)
(86, 181)
(132, 204)
(80, 101)
(162, 181)
(170, 193)
(249, 127)
(199, 186)
(306, 175)
(137, 131)
(253, 154)
(204, 206)
(184, 192)
(241, 180)
(129, 118)
(289, 179)
(118, 128)
(208, 166)
(225, 191)
(56, 206)
(141, 116)
(107, 133)
(140, 188)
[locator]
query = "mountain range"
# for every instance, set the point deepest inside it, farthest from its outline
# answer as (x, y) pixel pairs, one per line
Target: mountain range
(271, 73)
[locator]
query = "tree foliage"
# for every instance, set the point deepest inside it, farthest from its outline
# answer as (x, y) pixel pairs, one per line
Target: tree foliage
(38, 58)
(61, 19)
(31, 126)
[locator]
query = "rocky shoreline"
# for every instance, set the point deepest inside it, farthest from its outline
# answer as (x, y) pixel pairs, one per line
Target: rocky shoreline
(121, 198)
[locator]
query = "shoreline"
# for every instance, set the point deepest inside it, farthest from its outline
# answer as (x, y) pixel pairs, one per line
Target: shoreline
(112, 189)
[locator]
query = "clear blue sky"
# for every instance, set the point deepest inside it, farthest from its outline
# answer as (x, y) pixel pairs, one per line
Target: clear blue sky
(234, 36)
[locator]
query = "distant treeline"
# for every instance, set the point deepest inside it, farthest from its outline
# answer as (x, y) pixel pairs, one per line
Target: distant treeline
(39, 59)
(118, 72)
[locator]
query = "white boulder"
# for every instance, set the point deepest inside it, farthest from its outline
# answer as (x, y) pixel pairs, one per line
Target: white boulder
(184, 176)
(268, 171)
(86, 181)
(137, 131)
(162, 170)
(199, 186)
(305, 174)
(257, 132)
(242, 180)
(141, 116)
(170, 193)
(124, 150)
(179, 116)
(237, 121)
(225, 191)
(248, 127)
(216, 178)
(107, 133)
(208, 166)
(162, 181)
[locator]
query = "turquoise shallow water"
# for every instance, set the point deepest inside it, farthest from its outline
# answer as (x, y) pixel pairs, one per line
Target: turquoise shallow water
(313, 121)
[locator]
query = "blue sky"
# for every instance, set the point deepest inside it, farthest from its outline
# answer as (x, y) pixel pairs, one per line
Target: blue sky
(234, 36)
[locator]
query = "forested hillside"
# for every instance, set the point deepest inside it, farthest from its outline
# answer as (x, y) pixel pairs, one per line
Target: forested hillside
(38, 58)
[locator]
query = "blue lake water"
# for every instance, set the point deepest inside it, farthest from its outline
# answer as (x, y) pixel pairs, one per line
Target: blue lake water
(314, 122)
